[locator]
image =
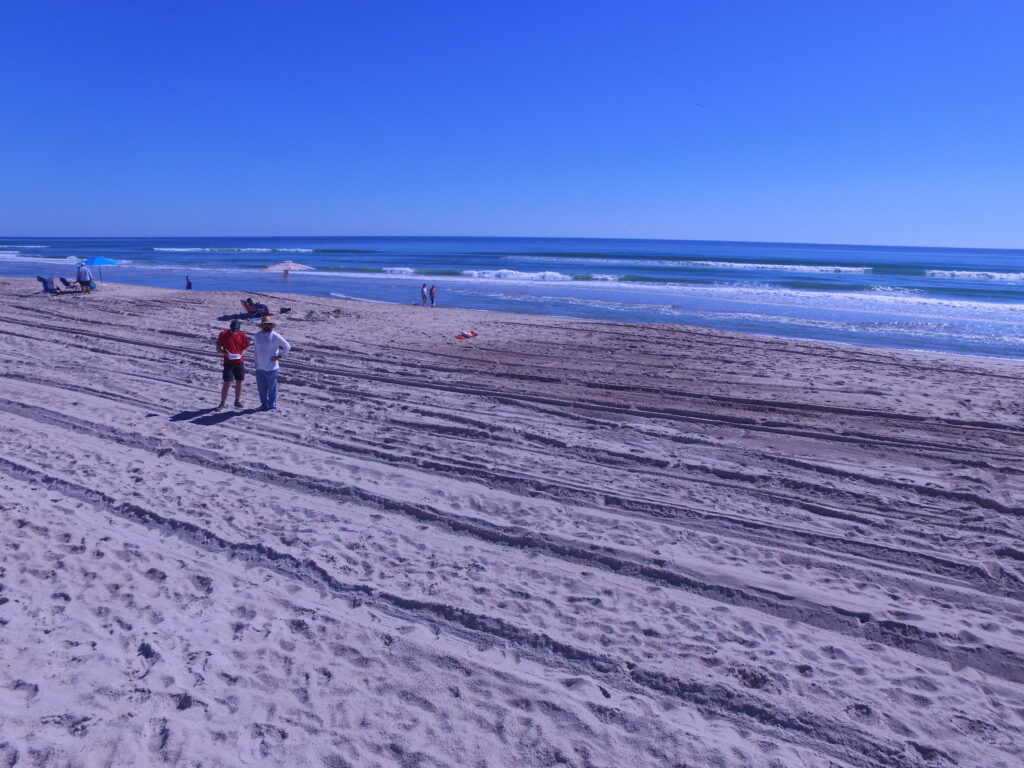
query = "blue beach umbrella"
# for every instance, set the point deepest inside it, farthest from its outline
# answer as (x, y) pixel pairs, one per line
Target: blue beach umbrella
(100, 261)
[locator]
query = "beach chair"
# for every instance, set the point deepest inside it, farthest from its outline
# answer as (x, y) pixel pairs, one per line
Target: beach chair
(69, 286)
(48, 286)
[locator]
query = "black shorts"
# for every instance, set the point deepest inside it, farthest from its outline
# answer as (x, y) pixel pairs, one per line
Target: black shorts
(234, 371)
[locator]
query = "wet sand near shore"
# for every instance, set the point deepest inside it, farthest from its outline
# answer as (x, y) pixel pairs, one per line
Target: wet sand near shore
(558, 543)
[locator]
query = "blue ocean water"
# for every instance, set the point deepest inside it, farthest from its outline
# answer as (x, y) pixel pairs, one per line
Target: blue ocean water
(948, 300)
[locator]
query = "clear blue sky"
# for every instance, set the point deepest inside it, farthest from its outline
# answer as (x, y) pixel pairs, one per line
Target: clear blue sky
(870, 121)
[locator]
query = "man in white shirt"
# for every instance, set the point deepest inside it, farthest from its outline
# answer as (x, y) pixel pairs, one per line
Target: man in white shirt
(84, 277)
(269, 347)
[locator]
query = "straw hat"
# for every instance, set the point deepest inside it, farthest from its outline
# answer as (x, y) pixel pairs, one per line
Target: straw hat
(266, 320)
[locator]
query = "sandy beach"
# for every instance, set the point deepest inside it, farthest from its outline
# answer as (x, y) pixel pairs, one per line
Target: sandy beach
(560, 543)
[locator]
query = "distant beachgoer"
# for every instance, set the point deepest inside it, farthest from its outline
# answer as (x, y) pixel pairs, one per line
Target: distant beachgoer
(255, 307)
(84, 278)
(423, 294)
(270, 348)
(188, 283)
(433, 294)
(232, 343)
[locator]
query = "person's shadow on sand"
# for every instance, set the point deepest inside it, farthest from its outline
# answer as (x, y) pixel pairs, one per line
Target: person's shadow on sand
(209, 417)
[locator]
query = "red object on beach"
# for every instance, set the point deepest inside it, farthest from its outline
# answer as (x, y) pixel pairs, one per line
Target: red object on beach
(466, 335)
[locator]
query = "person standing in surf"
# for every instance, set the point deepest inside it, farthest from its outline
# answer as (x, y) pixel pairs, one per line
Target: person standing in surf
(270, 348)
(423, 294)
(433, 293)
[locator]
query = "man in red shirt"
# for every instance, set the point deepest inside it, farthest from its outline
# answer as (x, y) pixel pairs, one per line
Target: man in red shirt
(232, 344)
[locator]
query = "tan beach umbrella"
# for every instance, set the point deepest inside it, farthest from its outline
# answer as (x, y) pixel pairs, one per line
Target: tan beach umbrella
(286, 267)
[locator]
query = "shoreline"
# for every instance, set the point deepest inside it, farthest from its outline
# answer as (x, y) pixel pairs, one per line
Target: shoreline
(572, 318)
(894, 305)
(655, 325)
(565, 540)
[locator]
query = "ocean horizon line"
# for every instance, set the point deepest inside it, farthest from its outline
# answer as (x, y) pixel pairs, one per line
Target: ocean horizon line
(789, 243)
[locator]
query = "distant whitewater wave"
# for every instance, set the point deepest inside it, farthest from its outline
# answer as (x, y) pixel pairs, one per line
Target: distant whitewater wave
(859, 296)
(893, 304)
(473, 274)
(513, 274)
(19, 257)
(228, 249)
(891, 300)
(969, 275)
(343, 250)
(510, 275)
(925, 311)
(603, 260)
(892, 290)
(236, 250)
(779, 267)
(483, 275)
(27, 246)
(703, 264)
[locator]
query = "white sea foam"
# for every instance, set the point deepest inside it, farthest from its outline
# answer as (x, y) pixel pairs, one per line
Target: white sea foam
(893, 290)
(890, 304)
(702, 264)
(27, 246)
(779, 267)
(512, 274)
(890, 301)
(969, 275)
(960, 329)
(22, 258)
(867, 301)
(236, 250)
(604, 260)
(358, 298)
(558, 286)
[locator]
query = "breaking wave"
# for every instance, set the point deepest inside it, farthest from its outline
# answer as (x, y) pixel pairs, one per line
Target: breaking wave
(513, 274)
(961, 274)
(236, 250)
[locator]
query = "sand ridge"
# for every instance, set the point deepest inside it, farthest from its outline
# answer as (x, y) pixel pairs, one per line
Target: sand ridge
(559, 543)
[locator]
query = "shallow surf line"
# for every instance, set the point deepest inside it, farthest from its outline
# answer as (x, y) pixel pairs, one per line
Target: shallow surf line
(860, 301)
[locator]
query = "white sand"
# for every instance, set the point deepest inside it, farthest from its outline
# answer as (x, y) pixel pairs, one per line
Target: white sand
(560, 543)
